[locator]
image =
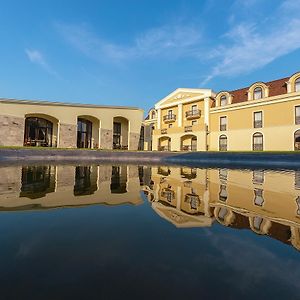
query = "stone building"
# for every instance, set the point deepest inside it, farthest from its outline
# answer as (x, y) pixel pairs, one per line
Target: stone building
(66, 125)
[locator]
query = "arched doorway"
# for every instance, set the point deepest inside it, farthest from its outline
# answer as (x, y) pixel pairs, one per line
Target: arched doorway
(40, 131)
(164, 143)
(120, 133)
(297, 140)
(88, 132)
(188, 143)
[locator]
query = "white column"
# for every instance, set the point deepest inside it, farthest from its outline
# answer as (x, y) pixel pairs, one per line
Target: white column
(158, 118)
(206, 111)
(178, 204)
(180, 115)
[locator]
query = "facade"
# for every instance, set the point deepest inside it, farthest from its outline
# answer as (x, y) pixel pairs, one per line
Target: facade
(265, 202)
(63, 125)
(264, 116)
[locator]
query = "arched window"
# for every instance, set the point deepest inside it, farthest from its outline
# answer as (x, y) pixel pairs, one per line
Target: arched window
(297, 85)
(257, 93)
(153, 114)
(297, 140)
(223, 100)
(223, 143)
(258, 142)
(84, 133)
(38, 132)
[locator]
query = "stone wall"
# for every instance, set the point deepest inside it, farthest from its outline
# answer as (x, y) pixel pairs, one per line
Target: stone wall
(68, 136)
(106, 140)
(134, 141)
(12, 131)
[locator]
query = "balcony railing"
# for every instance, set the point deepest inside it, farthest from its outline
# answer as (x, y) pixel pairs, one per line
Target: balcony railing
(169, 118)
(164, 148)
(164, 131)
(188, 128)
(188, 173)
(189, 147)
(223, 127)
(193, 199)
(168, 194)
(257, 124)
(258, 147)
(297, 120)
(193, 114)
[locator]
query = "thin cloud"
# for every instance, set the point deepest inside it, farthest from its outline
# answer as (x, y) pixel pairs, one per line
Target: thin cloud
(36, 57)
(171, 41)
(247, 47)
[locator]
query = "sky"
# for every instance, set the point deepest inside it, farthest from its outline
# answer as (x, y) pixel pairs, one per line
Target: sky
(136, 52)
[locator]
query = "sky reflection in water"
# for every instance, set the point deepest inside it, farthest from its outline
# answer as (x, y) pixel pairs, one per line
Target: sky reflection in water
(142, 232)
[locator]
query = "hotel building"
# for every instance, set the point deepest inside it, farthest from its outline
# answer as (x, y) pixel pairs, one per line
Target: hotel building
(263, 116)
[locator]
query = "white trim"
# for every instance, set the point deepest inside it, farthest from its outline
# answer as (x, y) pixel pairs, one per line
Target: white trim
(202, 94)
(255, 103)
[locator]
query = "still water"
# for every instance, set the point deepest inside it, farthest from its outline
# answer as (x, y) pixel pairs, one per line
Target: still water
(134, 232)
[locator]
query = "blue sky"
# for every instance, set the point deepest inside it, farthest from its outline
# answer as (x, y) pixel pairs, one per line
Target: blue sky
(135, 52)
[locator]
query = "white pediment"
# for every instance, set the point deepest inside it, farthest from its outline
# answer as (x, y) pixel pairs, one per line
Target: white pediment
(183, 95)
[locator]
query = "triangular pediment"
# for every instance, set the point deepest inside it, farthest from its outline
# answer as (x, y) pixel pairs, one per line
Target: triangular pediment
(179, 218)
(182, 94)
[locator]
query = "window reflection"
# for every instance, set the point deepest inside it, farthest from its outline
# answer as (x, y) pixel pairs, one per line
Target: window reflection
(298, 205)
(85, 180)
(258, 176)
(257, 223)
(258, 199)
(297, 180)
(223, 193)
(37, 181)
(118, 180)
(165, 171)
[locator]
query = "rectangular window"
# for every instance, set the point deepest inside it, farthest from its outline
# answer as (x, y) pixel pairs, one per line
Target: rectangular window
(257, 119)
(223, 123)
(194, 108)
(170, 125)
(297, 115)
(170, 112)
(194, 122)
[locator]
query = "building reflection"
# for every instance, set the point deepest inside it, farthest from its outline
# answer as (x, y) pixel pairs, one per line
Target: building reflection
(37, 181)
(264, 202)
(86, 180)
(43, 187)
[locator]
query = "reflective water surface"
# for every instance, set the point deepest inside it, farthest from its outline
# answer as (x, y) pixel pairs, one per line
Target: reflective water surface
(134, 232)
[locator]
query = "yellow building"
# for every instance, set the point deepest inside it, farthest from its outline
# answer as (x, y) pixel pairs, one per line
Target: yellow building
(265, 202)
(264, 116)
(66, 125)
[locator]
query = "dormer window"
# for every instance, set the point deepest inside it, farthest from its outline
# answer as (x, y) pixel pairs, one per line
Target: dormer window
(223, 100)
(257, 93)
(297, 85)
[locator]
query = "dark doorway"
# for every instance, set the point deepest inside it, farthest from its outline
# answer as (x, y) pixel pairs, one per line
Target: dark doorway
(38, 132)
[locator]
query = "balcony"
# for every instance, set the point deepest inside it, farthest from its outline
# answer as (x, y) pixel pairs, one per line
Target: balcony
(168, 194)
(188, 128)
(193, 199)
(169, 118)
(164, 131)
(193, 114)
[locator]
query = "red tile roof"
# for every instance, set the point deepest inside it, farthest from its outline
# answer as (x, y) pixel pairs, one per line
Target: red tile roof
(276, 87)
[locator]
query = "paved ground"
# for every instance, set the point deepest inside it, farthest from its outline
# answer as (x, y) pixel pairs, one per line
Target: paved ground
(192, 159)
